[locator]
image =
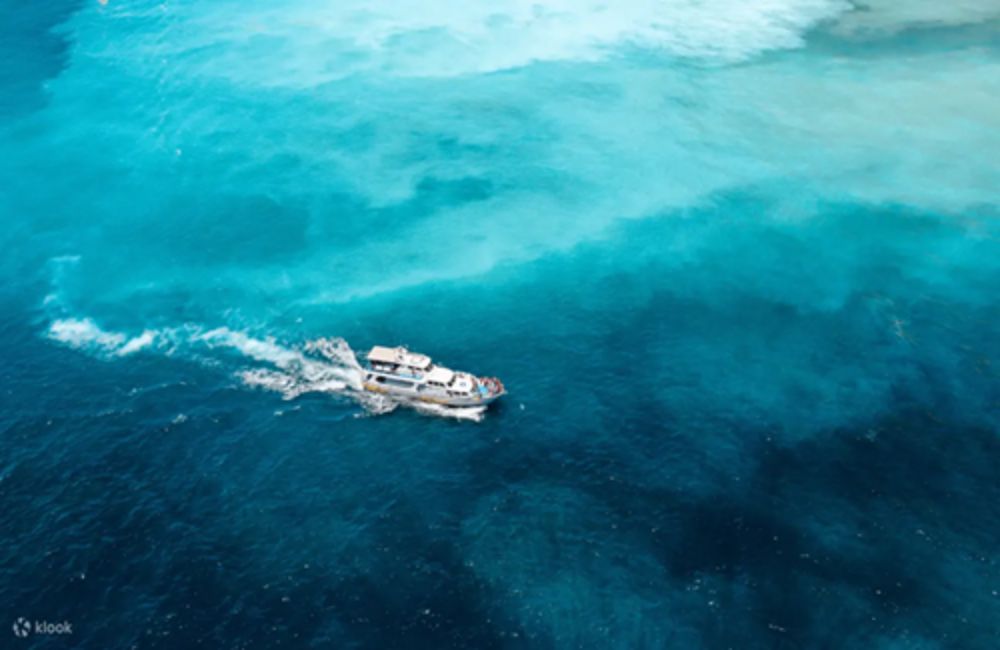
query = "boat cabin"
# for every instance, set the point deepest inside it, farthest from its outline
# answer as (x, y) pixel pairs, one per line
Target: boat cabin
(409, 368)
(395, 359)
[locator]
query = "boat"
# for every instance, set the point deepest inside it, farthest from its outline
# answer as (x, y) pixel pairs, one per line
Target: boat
(399, 373)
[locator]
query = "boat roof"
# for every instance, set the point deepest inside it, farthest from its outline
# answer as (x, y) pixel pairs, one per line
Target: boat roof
(399, 356)
(439, 374)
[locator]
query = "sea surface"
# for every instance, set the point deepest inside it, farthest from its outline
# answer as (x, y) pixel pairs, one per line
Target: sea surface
(737, 263)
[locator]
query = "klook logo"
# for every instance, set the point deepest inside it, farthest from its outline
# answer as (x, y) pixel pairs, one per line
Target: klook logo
(22, 627)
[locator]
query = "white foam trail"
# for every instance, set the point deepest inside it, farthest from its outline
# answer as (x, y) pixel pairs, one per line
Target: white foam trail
(259, 349)
(141, 342)
(86, 334)
(287, 384)
(326, 365)
(338, 373)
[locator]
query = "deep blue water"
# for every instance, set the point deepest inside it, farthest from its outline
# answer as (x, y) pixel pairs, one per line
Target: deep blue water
(737, 264)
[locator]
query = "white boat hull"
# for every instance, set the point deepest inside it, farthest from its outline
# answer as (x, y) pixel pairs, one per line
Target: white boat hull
(423, 393)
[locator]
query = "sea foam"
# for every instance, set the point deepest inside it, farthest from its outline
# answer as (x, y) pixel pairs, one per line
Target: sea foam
(324, 365)
(292, 44)
(86, 334)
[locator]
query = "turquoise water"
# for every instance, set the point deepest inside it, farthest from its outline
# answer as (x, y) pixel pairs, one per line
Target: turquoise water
(736, 263)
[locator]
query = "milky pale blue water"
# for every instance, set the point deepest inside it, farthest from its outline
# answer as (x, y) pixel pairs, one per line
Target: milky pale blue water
(737, 264)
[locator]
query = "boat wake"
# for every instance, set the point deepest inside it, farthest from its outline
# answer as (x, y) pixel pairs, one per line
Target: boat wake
(324, 365)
